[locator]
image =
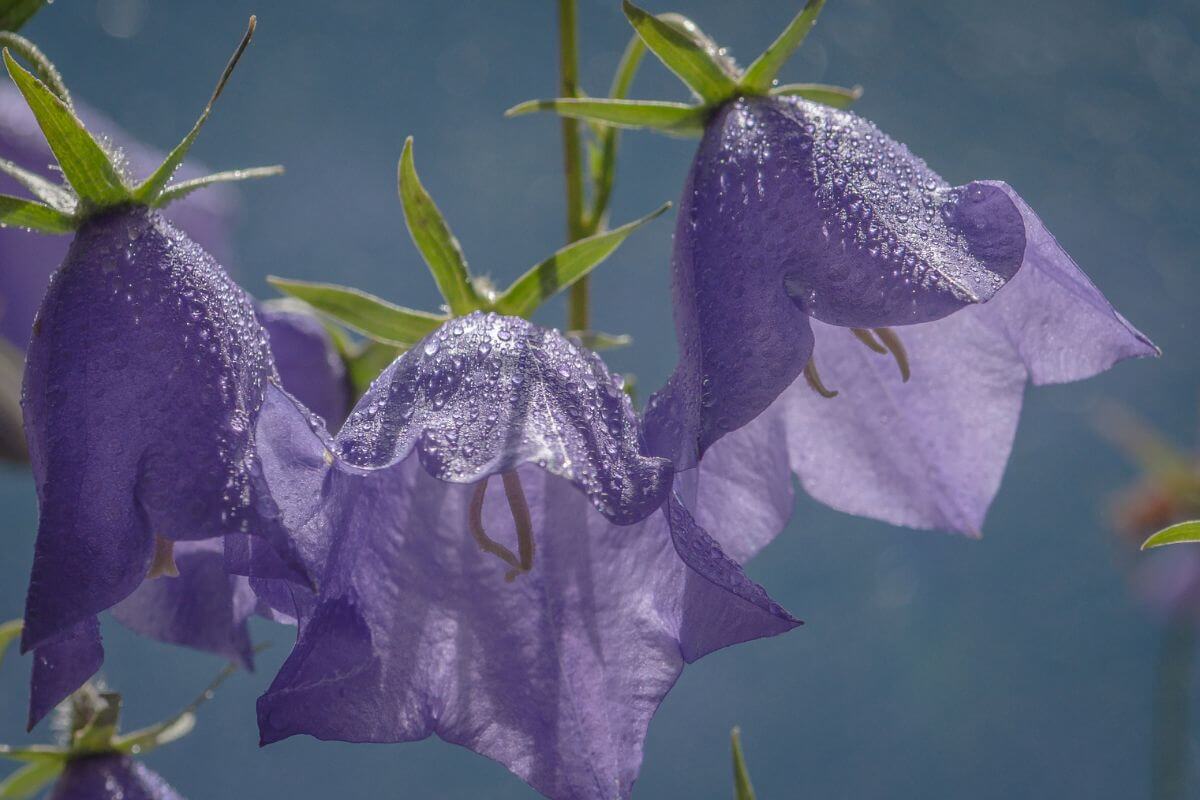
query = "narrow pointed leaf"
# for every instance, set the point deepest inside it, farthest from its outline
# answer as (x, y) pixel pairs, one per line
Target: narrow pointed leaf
(1176, 534)
(835, 96)
(598, 340)
(29, 780)
(9, 632)
(433, 238)
(758, 76)
(49, 192)
(15, 13)
(677, 119)
(369, 315)
(565, 267)
(184, 188)
(33, 753)
(742, 788)
(87, 167)
(149, 190)
(142, 741)
(604, 150)
(17, 212)
(697, 66)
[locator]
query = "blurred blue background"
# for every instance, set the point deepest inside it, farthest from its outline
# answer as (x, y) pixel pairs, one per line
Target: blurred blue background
(931, 666)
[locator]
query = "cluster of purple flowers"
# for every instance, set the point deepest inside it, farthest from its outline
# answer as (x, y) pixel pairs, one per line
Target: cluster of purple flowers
(495, 547)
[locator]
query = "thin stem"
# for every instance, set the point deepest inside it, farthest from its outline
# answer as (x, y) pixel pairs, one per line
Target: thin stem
(568, 56)
(1172, 696)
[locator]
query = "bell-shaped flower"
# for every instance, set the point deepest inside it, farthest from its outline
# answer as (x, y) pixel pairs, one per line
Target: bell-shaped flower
(806, 236)
(506, 567)
(144, 384)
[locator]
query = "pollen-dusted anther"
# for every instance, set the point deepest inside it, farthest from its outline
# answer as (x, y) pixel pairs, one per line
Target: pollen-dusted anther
(892, 342)
(163, 563)
(814, 380)
(867, 338)
(519, 509)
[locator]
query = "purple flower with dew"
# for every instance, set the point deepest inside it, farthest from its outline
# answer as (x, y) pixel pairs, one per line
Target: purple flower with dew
(506, 568)
(110, 776)
(145, 380)
(307, 359)
(31, 258)
(806, 236)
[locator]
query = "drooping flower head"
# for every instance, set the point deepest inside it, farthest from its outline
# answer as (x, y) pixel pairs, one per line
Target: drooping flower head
(507, 569)
(805, 236)
(504, 565)
(144, 381)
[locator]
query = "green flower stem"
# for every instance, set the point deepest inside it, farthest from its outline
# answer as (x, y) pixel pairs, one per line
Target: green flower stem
(578, 317)
(1172, 696)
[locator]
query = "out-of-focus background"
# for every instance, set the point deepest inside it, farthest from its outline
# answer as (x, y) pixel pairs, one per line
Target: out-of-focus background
(931, 665)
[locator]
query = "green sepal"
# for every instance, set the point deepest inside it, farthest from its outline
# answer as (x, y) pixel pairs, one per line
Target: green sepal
(598, 340)
(825, 94)
(362, 312)
(97, 733)
(149, 192)
(9, 632)
(17, 212)
(758, 77)
(677, 119)
(30, 779)
(175, 191)
(34, 753)
(690, 57)
(85, 164)
(52, 194)
(433, 238)
(742, 788)
(15, 13)
(1176, 534)
(566, 266)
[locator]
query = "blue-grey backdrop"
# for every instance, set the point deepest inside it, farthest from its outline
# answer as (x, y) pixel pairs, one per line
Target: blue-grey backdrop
(931, 666)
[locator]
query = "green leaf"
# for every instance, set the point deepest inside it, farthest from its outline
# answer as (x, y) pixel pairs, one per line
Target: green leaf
(598, 340)
(565, 267)
(34, 753)
(150, 190)
(369, 315)
(835, 96)
(86, 165)
(758, 76)
(177, 190)
(52, 194)
(742, 789)
(9, 632)
(1176, 534)
(677, 119)
(30, 779)
(15, 13)
(17, 212)
(433, 238)
(684, 54)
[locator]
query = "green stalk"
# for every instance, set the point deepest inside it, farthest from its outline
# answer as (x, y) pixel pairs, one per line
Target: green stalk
(578, 317)
(1172, 696)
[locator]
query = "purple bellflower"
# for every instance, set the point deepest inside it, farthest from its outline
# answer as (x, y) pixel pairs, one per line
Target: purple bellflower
(805, 235)
(30, 259)
(144, 384)
(506, 568)
(110, 776)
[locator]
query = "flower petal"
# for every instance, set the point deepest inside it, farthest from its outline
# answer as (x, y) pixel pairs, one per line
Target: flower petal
(930, 452)
(486, 393)
(62, 665)
(555, 674)
(205, 607)
(143, 382)
(110, 777)
(792, 210)
(309, 364)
